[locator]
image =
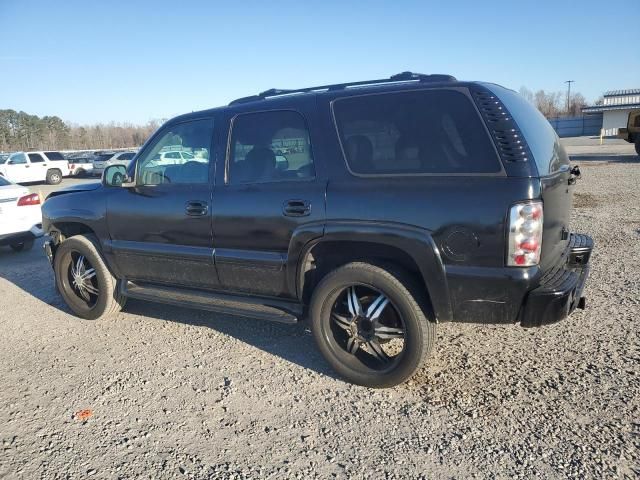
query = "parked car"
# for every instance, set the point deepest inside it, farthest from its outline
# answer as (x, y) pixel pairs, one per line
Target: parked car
(173, 158)
(20, 216)
(105, 159)
(80, 166)
(410, 201)
(23, 167)
(631, 133)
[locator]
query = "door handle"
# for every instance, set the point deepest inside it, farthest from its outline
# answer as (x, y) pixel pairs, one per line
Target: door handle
(296, 208)
(196, 208)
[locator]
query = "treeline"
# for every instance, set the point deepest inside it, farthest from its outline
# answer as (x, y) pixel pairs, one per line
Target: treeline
(21, 131)
(554, 104)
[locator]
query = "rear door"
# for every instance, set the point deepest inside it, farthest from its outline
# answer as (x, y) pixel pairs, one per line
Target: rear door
(161, 229)
(269, 200)
(37, 169)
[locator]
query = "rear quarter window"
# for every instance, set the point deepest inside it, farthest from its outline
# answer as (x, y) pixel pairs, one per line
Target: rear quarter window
(415, 132)
(542, 139)
(54, 156)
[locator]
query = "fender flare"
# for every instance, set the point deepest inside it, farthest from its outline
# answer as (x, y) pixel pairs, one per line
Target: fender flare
(416, 242)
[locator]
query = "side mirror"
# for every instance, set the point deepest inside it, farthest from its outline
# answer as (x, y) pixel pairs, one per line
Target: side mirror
(115, 176)
(282, 163)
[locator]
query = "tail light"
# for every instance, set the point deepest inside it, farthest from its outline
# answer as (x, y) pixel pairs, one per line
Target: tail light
(525, 234)
(31, 199)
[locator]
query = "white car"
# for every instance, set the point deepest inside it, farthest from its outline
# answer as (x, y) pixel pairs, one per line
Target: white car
(23, 167)
(104, 160)
(80, 167)
(173, 158)
(20, 216)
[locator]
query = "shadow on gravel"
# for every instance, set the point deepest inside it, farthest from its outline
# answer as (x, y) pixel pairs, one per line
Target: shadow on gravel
(293, 343)
(31, 272)
(606, 158)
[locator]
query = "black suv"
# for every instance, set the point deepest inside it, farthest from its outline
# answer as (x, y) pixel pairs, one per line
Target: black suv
(375, 209)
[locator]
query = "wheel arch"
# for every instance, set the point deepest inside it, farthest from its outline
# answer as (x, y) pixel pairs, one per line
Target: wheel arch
(411, 249)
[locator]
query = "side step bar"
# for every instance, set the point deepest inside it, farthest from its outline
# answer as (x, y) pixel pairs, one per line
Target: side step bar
(254, 307)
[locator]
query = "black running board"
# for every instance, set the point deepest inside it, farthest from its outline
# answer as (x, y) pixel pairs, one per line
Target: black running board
(254, 307)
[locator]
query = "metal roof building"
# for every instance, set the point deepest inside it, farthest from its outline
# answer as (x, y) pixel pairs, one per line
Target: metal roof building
(615, 109)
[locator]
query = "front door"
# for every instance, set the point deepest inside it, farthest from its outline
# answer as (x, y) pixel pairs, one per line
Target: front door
(18, 168)
(160, 229)
(269, 202)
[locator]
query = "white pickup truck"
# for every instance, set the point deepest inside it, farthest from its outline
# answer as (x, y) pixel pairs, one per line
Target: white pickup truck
(23, 167)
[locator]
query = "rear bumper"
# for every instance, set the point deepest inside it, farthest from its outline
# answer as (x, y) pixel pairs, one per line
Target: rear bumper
(19, 237)
(561, 288)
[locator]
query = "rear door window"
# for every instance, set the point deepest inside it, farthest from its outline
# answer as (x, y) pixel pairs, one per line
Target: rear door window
(36, 158)
(416, 132)
(270, 147)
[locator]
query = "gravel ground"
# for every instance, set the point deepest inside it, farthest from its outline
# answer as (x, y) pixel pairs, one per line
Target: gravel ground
(177, 393)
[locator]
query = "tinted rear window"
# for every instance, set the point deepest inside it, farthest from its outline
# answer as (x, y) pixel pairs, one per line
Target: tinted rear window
(54, 155)
(36, 158)
(126, 156)
(3, 182)
(542, 139)
(417, 132)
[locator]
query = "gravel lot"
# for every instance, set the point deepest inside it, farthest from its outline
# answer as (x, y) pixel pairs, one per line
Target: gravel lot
(180, 393)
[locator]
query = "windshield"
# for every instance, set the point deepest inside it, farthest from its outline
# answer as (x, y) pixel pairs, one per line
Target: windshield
(3, 160)
(3, 181)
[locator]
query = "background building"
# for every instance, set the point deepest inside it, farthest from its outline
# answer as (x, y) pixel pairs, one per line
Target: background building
(615, 109)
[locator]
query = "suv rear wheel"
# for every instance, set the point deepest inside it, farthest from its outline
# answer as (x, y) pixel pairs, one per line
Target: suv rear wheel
(54, 176)
(83, 279)
(369, 324)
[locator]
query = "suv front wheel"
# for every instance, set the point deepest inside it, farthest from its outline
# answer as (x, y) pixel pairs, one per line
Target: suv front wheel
(83, 279)
(369, 324)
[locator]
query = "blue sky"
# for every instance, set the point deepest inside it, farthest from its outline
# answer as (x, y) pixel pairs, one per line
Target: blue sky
(131, 61)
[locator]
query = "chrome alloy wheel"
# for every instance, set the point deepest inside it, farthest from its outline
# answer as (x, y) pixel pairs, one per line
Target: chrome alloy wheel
(369, 327)
(82, 279)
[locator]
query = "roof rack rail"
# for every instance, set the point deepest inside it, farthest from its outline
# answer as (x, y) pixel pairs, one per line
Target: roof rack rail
(397, 78)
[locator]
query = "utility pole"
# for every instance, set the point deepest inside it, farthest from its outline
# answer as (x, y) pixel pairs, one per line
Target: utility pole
(568, 82)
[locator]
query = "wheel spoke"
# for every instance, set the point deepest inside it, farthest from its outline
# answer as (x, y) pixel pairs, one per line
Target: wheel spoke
(354, 303)
(377, 351)
(90, 288)
(389, 332)
(352, 345)
(341, 321)
(376, 308)
(88, 274)
(79, 265)
(84, 293)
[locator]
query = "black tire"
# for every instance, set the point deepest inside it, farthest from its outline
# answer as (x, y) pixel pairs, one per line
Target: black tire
(408, 305)
(54, 176)
(22, 246)
(638, 146)
(108, 299)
